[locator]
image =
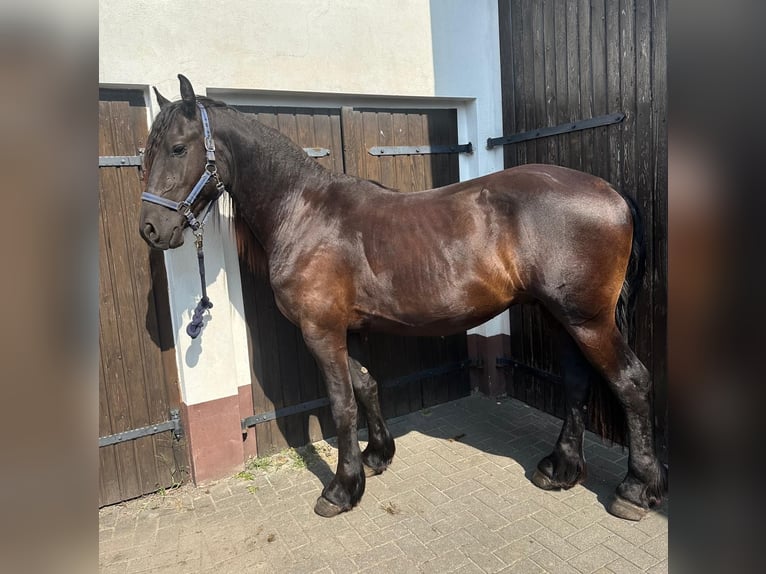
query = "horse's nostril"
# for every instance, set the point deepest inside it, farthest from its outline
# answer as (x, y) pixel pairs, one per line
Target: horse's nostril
(149, 232)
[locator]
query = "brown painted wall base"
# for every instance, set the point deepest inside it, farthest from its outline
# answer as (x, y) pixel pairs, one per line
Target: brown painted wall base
(215, 438)
(489, 380)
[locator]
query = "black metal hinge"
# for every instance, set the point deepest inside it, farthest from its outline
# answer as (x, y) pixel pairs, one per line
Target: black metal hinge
(174, 424)
(420, 149)
(596, 122)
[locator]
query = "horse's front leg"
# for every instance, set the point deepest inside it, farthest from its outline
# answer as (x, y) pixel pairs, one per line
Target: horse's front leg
(346, 488)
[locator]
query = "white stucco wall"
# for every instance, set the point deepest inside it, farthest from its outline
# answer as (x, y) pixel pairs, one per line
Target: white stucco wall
(303, 50)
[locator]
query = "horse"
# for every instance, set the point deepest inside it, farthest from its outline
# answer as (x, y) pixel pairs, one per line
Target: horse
(345, 254)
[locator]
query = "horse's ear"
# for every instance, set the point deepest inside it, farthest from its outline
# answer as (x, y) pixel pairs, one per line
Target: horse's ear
(189, 105)
(161, 100)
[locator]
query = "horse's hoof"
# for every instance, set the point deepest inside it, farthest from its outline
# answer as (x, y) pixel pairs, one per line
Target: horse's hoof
(369, 471)
(541, 481)
(327, 509)
(622, 508)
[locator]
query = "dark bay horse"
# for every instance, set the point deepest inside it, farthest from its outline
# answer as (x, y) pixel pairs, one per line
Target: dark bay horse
(345, 254)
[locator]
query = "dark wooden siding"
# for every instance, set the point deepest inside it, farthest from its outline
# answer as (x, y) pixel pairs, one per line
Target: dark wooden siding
(284, 373)
(564, 61)
(138, 384)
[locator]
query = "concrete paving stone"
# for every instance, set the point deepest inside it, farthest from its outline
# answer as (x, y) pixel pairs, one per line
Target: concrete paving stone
(525, 566)
(631, 552)
(551, 563)
(488, 517)
(450, 561)
(432, 494)
(588, 537)
(114, 568)
(555, 543)
(623, 566)
(397, 565)
(555, 523)
(657, 546)
(593, 559)
(414, 549)
(376, 555)
(659, 568)
(486, 538)
(518, 549)
(654, 524)
(455, 539)
(464, 487)
(484, 560)
(150, 560)
(586, 516)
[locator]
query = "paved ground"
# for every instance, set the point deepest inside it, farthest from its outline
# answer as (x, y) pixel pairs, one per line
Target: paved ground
(456, 499)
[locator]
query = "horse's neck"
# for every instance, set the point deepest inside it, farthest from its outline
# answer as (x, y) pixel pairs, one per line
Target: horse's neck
(269, 174)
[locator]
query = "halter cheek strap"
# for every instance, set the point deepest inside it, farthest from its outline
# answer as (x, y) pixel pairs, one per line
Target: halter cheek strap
(184, 207)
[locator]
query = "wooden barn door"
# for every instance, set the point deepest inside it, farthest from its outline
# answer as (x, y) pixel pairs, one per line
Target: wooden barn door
(564, 62)
(138, 383)
(412, 372)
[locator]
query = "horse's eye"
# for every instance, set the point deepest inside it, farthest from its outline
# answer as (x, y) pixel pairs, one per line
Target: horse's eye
(179, 150)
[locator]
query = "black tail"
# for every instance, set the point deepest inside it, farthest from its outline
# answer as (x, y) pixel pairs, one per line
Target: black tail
(607, 415)
(626, 305)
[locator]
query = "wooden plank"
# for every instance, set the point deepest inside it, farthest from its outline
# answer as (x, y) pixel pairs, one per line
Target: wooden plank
(586, 81)
(660, 207)
(351, 132)
(600, 164)
(549, 76)
(563, 113)
(420, 170)
(386, 138)
(644, 159)
(507, 77)
(539, 112)
(370, 138)
(403, 163)
(573, 83)
(528, 77)
(613, 94)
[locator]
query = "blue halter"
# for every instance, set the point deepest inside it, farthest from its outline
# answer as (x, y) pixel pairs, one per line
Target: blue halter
(184, 208)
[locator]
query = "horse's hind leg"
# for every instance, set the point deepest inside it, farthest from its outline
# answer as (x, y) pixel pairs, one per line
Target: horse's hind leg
(380, 446)
(565, 466)
(646, 481)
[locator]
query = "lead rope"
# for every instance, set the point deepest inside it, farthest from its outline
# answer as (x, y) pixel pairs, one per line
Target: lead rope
(194, 328)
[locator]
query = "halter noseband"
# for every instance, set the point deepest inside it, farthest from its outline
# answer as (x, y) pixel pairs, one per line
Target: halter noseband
(184, 208)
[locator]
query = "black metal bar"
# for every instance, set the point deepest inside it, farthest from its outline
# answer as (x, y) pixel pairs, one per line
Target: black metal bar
(253, 420)
(317, 403)
(420, 149)
(596, 122)
(502, 362)
(119, 160)
(174, 424)
(425, 374)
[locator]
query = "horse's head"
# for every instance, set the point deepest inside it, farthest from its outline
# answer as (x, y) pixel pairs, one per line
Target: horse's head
(175, 162)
